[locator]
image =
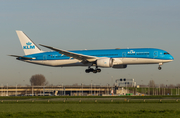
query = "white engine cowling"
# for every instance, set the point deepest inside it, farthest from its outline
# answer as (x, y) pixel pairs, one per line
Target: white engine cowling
(105, 62)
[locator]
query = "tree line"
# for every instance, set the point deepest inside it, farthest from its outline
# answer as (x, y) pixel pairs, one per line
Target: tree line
(40, 80)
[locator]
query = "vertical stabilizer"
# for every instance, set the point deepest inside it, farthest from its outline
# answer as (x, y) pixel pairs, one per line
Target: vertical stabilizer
(28, 46)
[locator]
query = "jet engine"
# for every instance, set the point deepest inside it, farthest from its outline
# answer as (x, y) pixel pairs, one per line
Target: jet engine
(104, 62)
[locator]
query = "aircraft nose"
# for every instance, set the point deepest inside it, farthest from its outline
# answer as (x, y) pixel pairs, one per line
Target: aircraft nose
(172, 58)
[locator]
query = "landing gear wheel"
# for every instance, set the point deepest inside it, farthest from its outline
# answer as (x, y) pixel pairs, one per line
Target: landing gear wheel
(91, 69)
(94, 71)
(99, 70)
(87, 71)
(159, 68)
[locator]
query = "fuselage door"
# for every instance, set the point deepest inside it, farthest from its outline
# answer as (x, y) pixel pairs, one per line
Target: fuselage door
(123, 54)
(155, 54)
(44, 57)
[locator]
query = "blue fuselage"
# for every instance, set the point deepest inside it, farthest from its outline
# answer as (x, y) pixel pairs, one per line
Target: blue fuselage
(143, 53)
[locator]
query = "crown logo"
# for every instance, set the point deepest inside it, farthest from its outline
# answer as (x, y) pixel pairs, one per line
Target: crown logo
(131, 51)
(29, 43)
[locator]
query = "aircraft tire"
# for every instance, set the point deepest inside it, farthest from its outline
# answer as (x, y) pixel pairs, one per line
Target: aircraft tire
(99, 70)
(91, 69)
(87, 71)
(94, 71)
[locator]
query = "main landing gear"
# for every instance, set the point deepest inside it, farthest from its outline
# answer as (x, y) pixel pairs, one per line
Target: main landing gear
(93, 70)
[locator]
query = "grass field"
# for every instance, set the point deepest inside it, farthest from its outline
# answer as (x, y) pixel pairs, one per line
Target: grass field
(51, 97)
(90, 107)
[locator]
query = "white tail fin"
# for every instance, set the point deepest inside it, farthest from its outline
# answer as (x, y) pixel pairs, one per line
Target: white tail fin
(28, 46)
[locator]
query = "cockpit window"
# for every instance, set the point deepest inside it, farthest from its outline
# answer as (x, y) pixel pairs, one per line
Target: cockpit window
(166, 53)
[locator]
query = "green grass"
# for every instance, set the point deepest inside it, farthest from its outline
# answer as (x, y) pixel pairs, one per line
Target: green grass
(94, 114)
(98, 110)
(27, 107)
(90, 107)
(52, 97)
(90, 101)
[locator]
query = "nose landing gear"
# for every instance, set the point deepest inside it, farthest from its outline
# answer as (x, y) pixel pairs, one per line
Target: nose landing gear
(159, 68)
(160, 64)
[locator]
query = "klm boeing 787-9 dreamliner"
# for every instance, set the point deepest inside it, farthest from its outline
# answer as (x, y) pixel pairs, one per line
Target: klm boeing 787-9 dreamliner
(104, 58)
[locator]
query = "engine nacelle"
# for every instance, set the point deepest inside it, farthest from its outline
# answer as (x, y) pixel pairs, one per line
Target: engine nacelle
(105, 62)
(120, 66)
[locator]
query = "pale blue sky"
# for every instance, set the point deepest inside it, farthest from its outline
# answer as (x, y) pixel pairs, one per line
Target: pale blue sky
(92, 24)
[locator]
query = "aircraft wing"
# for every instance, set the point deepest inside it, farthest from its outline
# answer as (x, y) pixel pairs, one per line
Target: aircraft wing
(81, 57)
(21, 57)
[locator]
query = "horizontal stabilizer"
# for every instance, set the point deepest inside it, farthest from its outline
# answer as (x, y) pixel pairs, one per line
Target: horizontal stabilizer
(21, 57)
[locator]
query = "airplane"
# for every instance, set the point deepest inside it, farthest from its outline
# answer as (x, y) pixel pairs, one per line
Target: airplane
(102, 58)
